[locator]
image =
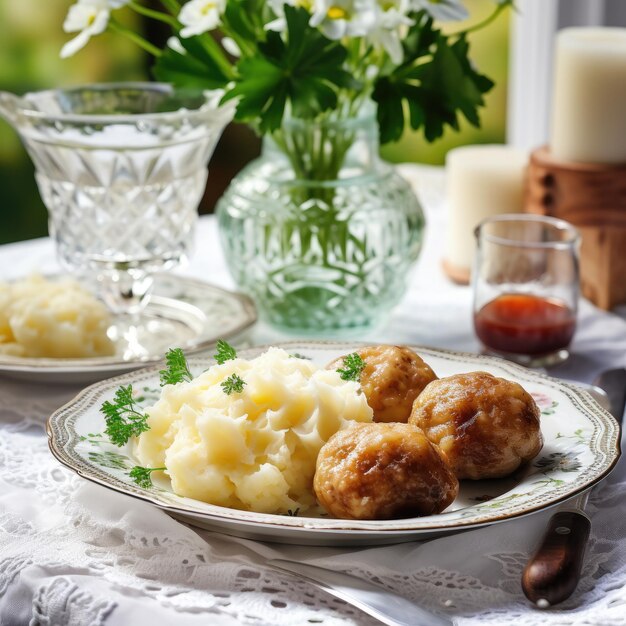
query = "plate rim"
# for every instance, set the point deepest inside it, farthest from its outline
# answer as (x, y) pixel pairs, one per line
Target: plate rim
(44, 365)
(611, 431)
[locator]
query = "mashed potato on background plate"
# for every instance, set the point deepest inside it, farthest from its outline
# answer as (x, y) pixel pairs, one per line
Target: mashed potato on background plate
(256, 449)
(53, 319)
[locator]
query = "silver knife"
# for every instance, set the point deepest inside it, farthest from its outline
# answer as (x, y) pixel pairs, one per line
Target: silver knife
(386, 606)
(553, 572)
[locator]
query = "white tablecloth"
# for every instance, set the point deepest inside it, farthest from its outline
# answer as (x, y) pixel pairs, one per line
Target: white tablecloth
(75, 554)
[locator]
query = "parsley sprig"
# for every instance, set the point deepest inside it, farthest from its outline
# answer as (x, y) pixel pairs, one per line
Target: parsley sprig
(177, 370)
(233, 384)
(353, 365)
(123, 417)
(142, 475)
(225, 352)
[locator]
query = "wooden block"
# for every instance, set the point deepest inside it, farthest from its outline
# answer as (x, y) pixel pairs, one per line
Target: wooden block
(603, 265)
(592, 197)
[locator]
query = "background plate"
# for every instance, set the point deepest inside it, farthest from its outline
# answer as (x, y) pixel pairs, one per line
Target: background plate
(182, 312)
(581, 447)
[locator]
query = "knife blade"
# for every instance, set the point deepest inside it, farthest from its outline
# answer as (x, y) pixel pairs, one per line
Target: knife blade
(553, 572)
(386, 606)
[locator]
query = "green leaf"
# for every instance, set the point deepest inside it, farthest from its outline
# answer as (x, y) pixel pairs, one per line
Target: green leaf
(225, 352)
(435, 84)
(122, 417)
(353, 365)
(233, 384)
(304, 70)
(243, 20)
(177, 370)
(390, 96)
(142, 476)
(420, 38)
(198, 68)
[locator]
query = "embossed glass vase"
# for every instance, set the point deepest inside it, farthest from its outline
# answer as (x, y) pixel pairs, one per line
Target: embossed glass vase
(319, 231)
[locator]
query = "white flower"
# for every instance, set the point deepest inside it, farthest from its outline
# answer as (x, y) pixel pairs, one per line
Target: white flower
(340, 18)
(335, 18)
(87, 18)
(200, 16)
(175, 45)
(442, 10)
(391, 24)
(230, 45)
(213, 97)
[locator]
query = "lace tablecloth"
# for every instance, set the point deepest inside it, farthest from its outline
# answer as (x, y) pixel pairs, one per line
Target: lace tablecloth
(75, 554)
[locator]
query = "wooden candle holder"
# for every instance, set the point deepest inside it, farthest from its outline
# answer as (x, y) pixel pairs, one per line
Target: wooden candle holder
(592, 197)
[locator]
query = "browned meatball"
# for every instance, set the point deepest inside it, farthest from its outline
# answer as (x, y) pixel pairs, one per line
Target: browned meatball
(380, 471)
(486, 426)
(391, 380)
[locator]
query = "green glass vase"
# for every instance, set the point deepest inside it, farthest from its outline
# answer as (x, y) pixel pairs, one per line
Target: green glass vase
(318, 230)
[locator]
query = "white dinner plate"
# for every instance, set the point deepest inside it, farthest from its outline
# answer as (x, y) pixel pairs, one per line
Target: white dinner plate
(181, 312)
(581, 447)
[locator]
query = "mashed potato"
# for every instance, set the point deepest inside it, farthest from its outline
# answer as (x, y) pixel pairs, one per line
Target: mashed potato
(256, 449)
(58, 319)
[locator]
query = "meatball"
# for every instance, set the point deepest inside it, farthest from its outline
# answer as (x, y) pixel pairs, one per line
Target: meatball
(486, 426)
(381, 471)
(391, 380)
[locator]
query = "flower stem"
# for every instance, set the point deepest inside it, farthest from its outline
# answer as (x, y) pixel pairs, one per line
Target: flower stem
(155, 15)
(135, 38)
(496, 12)
(173, 6)
(214, 49)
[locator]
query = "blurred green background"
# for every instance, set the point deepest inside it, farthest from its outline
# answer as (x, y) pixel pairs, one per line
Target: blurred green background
(31, 36)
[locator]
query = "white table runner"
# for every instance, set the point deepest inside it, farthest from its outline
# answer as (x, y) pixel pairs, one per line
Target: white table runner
(73, 553)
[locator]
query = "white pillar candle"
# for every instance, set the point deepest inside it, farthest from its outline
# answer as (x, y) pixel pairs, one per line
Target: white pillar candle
(481, 181)
(589, 105)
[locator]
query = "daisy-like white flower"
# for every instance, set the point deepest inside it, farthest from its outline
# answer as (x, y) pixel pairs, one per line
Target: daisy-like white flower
(87, 18)
(391, 24)
(200, 16)
(340, 18)
(442, 10)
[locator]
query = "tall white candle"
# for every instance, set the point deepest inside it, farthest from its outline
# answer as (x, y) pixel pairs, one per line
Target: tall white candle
(589, 106)
(481, 181)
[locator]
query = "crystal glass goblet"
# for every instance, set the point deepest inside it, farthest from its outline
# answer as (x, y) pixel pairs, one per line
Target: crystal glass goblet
(121, 169)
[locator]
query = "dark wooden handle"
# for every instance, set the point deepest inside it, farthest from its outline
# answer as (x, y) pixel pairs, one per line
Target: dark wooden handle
(553, 572)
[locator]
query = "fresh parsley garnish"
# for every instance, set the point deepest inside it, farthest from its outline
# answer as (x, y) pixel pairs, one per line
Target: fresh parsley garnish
(353, 365)
(122, 417)
(225, 352)
(142, 475)
(233, 384)
(177, 369)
